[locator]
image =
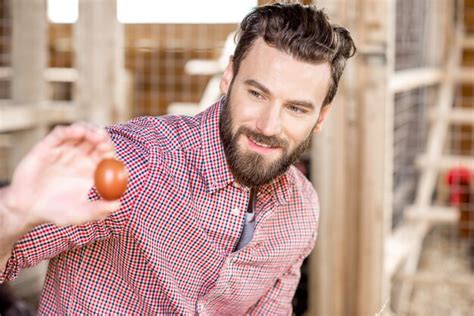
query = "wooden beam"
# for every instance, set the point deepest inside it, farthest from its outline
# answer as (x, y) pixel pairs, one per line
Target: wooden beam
(445, 162)
(405, 242)
(29, 51)
(466, 74)
(29, 58)
(99, 53)
(15, 117)
(211, 94)
(433, 214)
(203, 67)
(455, 116)
(52, 74)
(328, 174)
(183, 108)
(415, 242)
(62, 112)
(468, 42)
(28, 62)
(376, 155)
(430, 278)
(60, 74)
(335, 170)
(414, 78)
(216, 66)
(5, 73)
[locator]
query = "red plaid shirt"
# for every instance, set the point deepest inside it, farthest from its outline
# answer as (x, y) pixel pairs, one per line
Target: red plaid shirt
(169, 249)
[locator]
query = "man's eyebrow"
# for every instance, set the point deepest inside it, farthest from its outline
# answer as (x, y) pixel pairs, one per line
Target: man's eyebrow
(258, 85)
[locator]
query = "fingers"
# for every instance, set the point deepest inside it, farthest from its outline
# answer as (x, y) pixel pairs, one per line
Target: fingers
(76, 132)
(62, 134)
(103, 146)
(83, 137)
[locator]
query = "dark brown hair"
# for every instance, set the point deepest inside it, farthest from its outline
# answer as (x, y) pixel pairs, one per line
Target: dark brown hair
(301, 31)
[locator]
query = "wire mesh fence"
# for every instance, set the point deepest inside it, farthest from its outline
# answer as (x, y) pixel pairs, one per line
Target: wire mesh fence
(156, 58)
(443, 285)
(410, 134)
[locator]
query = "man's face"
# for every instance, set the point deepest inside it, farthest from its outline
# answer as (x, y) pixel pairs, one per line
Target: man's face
(272, 108)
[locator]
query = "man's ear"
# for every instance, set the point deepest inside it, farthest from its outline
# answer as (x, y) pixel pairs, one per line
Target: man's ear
(323, 113)
(227, 76)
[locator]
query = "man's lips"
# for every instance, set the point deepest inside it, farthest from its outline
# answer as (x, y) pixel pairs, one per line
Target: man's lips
(259, 148)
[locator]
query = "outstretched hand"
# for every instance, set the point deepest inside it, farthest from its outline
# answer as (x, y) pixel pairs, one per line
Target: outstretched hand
(52, 182)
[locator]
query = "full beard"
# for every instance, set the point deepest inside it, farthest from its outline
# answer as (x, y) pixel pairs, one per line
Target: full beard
(251, 169)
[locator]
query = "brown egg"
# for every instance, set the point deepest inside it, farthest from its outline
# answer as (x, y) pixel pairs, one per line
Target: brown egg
(111, 179)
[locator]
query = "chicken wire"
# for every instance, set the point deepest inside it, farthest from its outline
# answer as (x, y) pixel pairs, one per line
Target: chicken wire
(410, 31)
(447, 256)
(419, 26)
(156, 56)
(61, 55)
(410, 134)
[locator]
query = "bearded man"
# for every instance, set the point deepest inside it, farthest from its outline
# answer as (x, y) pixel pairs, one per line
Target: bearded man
(215, 220)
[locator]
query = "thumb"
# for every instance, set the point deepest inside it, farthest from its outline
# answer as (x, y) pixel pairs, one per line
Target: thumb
(96, 210)
(102, 208)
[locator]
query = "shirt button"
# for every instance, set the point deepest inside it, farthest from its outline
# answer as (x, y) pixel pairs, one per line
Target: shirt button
(200, 307)
(235, 211)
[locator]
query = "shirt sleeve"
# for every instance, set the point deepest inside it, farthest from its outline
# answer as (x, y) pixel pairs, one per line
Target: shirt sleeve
(47, 241)
(278, 300)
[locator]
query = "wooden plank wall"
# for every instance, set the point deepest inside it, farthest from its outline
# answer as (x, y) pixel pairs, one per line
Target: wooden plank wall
(352, 169)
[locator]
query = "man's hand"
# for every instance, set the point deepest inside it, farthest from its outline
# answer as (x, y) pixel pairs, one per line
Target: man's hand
(51, 183)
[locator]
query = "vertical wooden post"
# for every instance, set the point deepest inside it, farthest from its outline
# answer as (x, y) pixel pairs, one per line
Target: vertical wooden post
(335, 160)
(29, 61)
(352, 167)
(390, 36)
(97, 36)
(329, 264)
(376, 141)
(29, 55)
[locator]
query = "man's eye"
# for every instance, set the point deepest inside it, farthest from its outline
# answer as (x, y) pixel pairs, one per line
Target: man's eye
(255, 94)
(296, 109)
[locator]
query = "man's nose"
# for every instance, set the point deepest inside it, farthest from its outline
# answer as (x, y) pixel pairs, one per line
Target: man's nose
(269, 122)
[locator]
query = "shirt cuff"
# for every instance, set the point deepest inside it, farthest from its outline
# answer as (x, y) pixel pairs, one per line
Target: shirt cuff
(12, 268)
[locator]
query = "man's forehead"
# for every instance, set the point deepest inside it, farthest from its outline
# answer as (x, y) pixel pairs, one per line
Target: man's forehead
(278, 70)
(262, 56)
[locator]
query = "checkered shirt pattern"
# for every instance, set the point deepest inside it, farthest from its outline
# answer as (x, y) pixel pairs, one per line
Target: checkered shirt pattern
(169, 248)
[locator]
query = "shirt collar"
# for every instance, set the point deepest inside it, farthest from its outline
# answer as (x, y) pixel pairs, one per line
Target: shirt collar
(280, 187)
(215, 169)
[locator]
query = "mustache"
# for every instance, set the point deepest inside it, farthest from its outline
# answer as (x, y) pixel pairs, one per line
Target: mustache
(262, 139)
